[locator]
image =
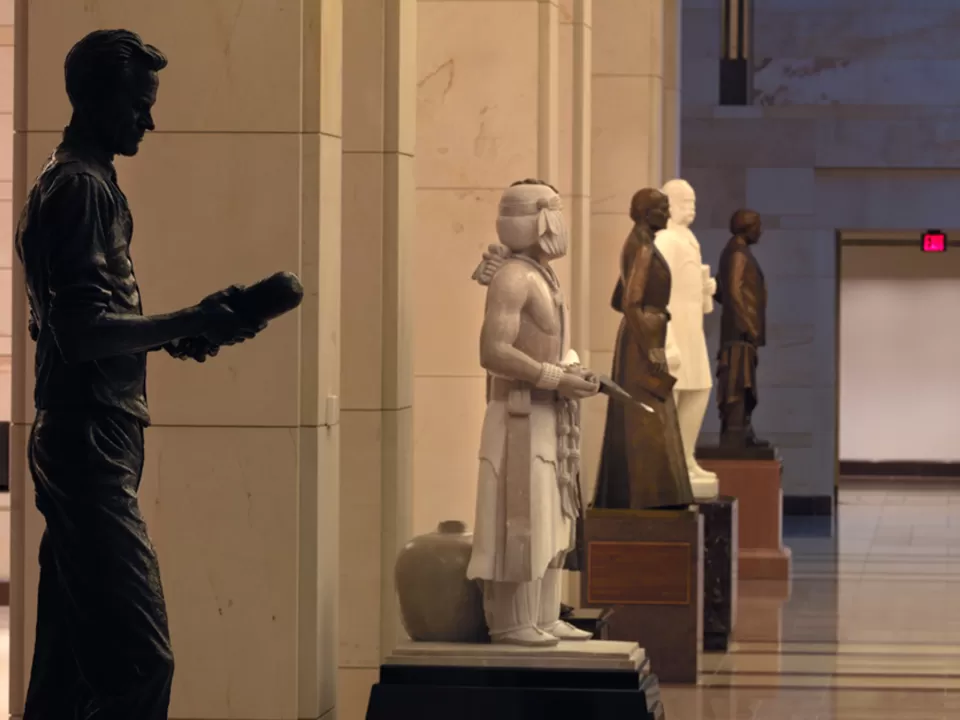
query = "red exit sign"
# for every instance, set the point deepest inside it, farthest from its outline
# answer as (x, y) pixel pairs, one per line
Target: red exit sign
(934, 241)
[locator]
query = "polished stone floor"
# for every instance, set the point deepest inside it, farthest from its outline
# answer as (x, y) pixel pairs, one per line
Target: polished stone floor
(868, 629)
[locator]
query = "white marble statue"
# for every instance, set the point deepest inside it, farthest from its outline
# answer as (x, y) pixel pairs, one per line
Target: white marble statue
(691, 297)
(527, 497)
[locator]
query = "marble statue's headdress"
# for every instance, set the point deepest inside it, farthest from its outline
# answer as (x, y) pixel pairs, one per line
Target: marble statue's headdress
(529, 214)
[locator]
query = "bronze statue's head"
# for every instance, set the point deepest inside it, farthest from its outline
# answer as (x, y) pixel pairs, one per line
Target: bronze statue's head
(746, 224)
(112, 84)
(650, 207)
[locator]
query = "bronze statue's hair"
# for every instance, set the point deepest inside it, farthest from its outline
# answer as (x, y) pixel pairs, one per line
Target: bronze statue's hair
(743, 220)
(534, 181)
(642, 201)
(104, 58)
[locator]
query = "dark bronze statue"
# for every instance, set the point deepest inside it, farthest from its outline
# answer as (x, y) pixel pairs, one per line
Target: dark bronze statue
(102, 641)
(742, 292)
(642, 464)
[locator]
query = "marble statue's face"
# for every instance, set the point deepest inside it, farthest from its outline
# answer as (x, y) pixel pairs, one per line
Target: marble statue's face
(686, 210)
(683, 202)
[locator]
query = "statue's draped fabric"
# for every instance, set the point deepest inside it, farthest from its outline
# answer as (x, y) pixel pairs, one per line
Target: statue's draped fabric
(642, 462)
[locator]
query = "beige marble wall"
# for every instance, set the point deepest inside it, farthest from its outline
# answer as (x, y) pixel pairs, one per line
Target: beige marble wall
(853, 127)
(628, 146)
(379, 136)
(6, 202)
(487, 115)
(241, 483)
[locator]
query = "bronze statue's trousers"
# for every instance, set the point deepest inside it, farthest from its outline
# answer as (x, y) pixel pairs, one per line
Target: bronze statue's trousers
(102, 644)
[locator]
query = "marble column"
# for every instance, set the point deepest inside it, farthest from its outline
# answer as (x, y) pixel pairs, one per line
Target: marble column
(672, 54)
(487, 115)
(626, 155)
(575, 140)
(379, 115)
(241, 482)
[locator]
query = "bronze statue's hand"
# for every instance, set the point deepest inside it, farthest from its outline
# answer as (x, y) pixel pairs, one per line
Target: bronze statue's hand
(198, 349)
(224, 326)
(572, 385)
(658, 359)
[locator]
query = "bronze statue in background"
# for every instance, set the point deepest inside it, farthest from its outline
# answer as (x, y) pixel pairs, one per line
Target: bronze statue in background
(742, 292)
(642, 464)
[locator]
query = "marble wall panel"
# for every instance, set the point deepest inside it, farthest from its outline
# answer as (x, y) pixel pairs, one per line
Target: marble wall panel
(720, 192)
(702, 33)
(876, 80)
(797, 253)
(897, 29)
(889, 199)
(700, 79)
(781, 190)
(743, 143)
(915, 137)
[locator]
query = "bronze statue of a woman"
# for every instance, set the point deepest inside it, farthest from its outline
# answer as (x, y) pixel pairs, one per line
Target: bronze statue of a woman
(642, 465)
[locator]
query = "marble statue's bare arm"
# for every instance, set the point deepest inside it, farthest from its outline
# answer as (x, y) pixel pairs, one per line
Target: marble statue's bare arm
(506, 298)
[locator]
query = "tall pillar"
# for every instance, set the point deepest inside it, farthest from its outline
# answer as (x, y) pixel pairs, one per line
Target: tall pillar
(487, 115)
(575, 141)
(241, 483)
(628, 38)
(672, 59)
(379, 135)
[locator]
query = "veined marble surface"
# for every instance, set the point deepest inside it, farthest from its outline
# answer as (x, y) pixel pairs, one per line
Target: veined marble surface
(591, 654)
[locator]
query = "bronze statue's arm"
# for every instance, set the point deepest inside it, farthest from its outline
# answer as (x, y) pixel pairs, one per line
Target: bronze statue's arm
(634, 287)
(744, 311)
(81, 282)
(506, 298)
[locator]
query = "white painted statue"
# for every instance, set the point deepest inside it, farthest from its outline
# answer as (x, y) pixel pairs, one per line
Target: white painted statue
(691, 297)
(527, 496)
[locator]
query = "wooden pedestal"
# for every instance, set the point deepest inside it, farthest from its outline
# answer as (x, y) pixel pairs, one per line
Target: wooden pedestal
(648, 566)
(756, 485)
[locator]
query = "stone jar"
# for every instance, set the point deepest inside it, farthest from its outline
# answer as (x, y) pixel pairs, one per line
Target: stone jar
(437, 602)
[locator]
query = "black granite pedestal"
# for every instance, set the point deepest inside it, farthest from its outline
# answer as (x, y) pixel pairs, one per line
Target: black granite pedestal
(720, 552)
(481, 693)
(595, 621)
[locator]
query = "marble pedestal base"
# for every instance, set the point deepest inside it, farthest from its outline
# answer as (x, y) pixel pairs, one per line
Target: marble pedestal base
(720, 554)
(756, 484)
(590, 680)
(648, 566)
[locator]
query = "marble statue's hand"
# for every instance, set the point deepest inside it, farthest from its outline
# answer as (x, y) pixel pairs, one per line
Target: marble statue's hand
(489, 267)
(658, 359)
(573, 385)
(673, 360)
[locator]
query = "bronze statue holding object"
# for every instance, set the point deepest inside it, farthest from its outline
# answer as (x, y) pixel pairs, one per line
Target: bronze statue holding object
(102, 642)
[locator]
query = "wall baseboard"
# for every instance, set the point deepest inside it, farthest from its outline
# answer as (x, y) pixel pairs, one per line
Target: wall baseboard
(899, 469)
(808, 505)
